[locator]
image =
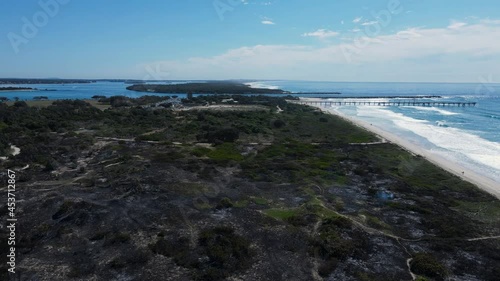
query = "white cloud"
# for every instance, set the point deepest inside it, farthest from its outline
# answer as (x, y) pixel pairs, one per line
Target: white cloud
(268, 22)
(321, 33)
(409, 33)
(490, 21)
(463, 53)
(357, 20)
(369, 23)
(456, 25)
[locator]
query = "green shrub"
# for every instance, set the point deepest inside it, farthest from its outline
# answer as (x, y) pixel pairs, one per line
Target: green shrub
(427, 265)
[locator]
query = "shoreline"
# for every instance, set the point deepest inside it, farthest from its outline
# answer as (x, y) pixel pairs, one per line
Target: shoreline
(482, 182)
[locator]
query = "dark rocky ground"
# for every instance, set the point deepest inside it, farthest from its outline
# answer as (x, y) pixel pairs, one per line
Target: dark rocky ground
(136, 194)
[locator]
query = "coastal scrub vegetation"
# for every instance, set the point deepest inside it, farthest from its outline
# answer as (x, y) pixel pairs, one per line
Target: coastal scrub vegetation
(255, 188)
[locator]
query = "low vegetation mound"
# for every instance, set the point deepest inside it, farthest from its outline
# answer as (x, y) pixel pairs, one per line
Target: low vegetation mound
(203, 88)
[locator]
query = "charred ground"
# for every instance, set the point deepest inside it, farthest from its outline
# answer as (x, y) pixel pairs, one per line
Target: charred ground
(146, 193)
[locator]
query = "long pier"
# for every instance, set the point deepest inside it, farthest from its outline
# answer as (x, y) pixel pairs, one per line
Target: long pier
(375, 97)
(385, 103)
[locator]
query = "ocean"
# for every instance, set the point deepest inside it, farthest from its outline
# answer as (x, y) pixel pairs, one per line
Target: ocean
(466, 135)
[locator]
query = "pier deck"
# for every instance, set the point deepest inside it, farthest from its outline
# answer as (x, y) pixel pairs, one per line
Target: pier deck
(385, 103)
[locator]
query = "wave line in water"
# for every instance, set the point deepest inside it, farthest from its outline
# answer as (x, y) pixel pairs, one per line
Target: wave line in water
(434, 109)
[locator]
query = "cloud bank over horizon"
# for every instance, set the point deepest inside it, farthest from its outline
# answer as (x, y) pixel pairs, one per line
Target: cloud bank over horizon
(467, 49)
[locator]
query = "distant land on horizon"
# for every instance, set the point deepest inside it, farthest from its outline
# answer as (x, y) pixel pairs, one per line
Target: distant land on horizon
(140, 81)
(43, 81)
(17, 89)
(204, 88)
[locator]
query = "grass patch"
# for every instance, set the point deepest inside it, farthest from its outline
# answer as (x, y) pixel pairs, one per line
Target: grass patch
(224, 153)
(314, 207)
(282, 214)
(376, 222)
(241, 204)
(488, 212)
(260, 201)
(202, 205)
(200, 151)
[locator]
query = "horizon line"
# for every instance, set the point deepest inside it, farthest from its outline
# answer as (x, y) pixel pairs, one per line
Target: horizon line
(252, 80)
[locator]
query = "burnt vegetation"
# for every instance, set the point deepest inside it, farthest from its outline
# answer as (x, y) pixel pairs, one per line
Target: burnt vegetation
(149, 193)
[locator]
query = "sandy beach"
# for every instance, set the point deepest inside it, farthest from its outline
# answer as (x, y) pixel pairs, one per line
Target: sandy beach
(482, 182)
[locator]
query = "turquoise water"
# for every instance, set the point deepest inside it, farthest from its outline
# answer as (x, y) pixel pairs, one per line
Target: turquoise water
(470, 135)
(71, 91)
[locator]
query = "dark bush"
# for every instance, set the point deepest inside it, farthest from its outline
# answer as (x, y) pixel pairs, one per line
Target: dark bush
(117, 238)
(222, 135)
(119, 101)
(278, 124)
(224, 203)
(427, 265)
(20, 104)
(327, 267)
(227, 252)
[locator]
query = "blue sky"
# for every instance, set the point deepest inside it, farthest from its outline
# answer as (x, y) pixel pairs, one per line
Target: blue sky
(327, 40)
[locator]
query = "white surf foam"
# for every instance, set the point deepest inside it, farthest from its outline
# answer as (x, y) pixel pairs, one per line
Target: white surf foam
(434, 109)
(261, 85)
(441, 124)
(458, 144)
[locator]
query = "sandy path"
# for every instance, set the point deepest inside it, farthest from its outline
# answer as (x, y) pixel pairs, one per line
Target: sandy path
(15, 151)
(482, 182)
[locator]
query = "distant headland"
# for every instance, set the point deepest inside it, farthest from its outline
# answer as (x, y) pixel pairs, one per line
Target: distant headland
(24, 89)
(17, 89)
(43, 81)
(204, 88)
